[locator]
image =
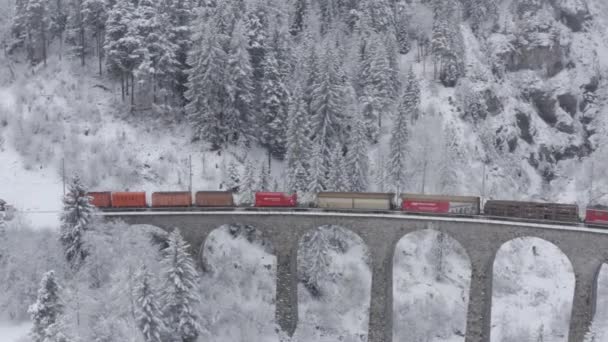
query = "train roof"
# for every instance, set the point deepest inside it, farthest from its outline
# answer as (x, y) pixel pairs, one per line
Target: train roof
(370, 195)
(440, 197)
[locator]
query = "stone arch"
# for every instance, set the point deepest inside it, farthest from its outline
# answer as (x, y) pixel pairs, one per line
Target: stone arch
(431, 286)
(334, 272)
(533, 284)
(238, 284)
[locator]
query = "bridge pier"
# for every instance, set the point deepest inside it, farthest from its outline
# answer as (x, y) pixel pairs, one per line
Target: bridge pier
(586, 270)
(381, 305)
(286, 251)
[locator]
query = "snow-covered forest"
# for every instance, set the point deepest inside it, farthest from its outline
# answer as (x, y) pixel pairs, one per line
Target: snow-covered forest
(496, 98)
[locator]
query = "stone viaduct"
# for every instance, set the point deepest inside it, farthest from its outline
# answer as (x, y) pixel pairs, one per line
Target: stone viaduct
(586, 248)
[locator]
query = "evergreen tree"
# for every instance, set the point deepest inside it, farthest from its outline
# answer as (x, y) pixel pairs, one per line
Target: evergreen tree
(47, 309)
(378, 85)
(207, 93)
(263, 178)
(328, 107)
(317, 170)
(411, 96)
(337, 178)
(357, 160)
(297, 145)
(402, 32)
(37, 24)
(397, 163)
(233, 181)
(179, 17)
(117, 49)
(59, 19)
(19, 24)
(77, 29)
(378, 14)
(249, 184)
(241, 90)
(274, 108)
(95, 15)
(149, 317)
(158, 62)
(179, 294)
(75, 220)
(448, 177)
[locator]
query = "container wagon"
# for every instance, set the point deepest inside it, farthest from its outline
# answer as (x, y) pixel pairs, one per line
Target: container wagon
(532, 210)
(214, 199)
(171, 199)
(355, 200)
(129, 200)
(437, 204)
(101, 199)
(597, 216)
(275, 199)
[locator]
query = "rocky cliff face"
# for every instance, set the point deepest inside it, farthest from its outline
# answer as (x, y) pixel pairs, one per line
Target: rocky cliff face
(539, 68)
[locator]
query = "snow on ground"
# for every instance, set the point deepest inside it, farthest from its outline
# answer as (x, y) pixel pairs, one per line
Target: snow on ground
(431, 279)
(533, 288)
(334, 287)
(238, 287)
(14, 332)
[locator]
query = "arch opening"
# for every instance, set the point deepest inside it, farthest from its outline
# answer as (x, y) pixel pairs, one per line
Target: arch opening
(238, 285)
(431, 281)
(334, 286)
(532, 292)
(599, 327)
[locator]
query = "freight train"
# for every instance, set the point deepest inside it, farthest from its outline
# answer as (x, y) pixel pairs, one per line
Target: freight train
(459, 206)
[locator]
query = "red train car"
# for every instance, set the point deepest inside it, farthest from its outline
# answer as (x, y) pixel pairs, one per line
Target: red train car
(597, 216)
(101, 199)
(129, 200)
(275, 199)
(437, 204)
(171, 199)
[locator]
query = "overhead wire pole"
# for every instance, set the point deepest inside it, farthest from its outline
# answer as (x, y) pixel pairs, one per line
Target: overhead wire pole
(63, 174)
(190, 174)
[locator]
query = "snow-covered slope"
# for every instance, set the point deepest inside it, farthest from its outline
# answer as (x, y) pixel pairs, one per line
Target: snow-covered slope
(533, 288)
(431, 279)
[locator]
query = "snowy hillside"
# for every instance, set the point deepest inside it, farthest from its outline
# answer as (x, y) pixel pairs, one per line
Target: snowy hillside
(517, 85)
(432, 275)
(533, 288)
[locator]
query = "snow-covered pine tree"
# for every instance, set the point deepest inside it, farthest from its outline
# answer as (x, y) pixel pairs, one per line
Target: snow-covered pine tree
(159, 64)
(241, 89)
(318, 170)
(327, 124)
(298, 144)
(206, 85)
(75, 220)
(95, 15)
(248, 184)
(47, 309)
(275, 101)
(263, 180)
(402, 31)
(116, 47)
(37, 24)
(357, 160)
(179, 292)
(378, 14)
(179, 15)
(18, 25)
(233, 181)
(411, 96)
(337, 178)
(378, 87)
(77, 30)
(149, 316)
(397, 163)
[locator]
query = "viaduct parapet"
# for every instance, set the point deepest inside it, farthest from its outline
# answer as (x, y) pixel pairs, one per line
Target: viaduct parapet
(587, 249)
